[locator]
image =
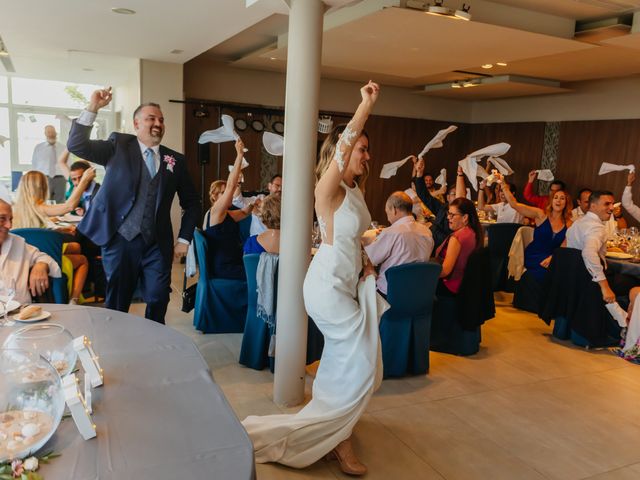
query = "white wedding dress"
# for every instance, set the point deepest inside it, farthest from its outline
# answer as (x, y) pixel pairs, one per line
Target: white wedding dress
(347, 312)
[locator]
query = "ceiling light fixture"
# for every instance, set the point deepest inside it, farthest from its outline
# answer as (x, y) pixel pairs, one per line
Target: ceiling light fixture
(487, 66)
(463, 14)
(471, 83)
(4, 53)
(123, 11)
(456, 85)
(501, 64)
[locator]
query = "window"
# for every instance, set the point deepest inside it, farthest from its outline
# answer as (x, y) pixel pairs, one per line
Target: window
(48, 93)
(31, 133)
(5, 144)
(4, 90)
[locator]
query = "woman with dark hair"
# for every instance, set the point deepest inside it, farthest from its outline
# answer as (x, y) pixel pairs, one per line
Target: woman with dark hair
(454, 252)
(345, 308)
(550, 231)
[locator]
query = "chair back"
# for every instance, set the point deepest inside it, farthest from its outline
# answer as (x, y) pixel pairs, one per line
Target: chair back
(500, 238)
(475, 297)
(411, 287)
(47, 241)
(201, 253)
(250, 268)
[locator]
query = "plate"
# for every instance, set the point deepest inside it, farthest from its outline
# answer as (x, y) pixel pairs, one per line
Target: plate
(43, 316)
(71, 218)
(619, 255)
(13, 305)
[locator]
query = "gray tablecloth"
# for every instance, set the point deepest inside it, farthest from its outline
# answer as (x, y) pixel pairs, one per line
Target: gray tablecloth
(159, 415)
(622, 266)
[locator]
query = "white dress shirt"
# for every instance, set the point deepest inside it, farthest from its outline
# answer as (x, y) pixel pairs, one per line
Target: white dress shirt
(45, 158)
(627, 203)
(589, 235)
(16, 259)
(505, 213)
(576, 213)
(406, 241)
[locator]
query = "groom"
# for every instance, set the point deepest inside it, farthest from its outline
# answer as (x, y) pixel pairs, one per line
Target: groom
(129, 217)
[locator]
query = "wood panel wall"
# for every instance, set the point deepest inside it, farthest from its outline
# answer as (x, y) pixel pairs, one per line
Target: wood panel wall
(583, 147)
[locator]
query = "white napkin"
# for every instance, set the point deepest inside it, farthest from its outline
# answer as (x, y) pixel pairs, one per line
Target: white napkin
(391, 168)
(607, 167)
(226, 133)
(2, 140)
(502, 166)
(492, 177)
(442, 178)
(545, 175)
(618, 313)
(273, 143)
(633, 330)
(244, 165)
(494, 150)
(469, 193)
(470, 165)
(436, 142)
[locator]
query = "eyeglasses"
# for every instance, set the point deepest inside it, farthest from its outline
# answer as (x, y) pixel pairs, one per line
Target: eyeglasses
(451, 215)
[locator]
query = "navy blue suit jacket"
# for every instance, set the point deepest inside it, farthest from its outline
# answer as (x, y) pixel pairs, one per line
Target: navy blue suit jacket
(121, 157)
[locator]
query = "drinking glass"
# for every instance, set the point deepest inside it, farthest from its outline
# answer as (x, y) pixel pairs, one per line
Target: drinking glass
(374, 225)
(7, 292)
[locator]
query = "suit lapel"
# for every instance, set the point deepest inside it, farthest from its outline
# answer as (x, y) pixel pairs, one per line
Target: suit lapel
(136, 162)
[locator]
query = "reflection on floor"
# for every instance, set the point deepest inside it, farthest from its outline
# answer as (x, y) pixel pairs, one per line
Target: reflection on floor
(525, 407)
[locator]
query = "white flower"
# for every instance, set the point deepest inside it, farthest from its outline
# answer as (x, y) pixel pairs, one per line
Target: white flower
(31, 464)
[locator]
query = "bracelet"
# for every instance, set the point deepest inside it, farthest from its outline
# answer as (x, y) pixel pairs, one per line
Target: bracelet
(461, 174)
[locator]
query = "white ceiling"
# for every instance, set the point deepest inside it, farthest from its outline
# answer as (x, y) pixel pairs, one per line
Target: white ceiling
(575, 9)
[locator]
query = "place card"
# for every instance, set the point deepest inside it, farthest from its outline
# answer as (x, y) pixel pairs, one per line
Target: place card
(89, 360)
(78, 407)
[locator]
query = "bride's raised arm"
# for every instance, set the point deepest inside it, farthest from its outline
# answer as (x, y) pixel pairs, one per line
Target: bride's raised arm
(329, 182)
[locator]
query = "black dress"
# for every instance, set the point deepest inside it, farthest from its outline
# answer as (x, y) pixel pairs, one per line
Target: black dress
(225, 248)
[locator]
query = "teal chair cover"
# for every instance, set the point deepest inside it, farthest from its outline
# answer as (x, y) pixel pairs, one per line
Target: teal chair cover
(245, 228)
(257, 334)
(500, 239)
(49, 242)
(405, 327)
(221, 303)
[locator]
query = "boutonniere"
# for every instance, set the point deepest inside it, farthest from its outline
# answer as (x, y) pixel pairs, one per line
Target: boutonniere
(170, 161)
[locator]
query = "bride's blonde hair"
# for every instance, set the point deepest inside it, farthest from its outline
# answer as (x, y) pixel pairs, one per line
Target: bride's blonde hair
(328, 151)
(33, 190)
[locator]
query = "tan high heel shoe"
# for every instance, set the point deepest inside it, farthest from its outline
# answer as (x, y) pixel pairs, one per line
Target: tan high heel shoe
(347, 459)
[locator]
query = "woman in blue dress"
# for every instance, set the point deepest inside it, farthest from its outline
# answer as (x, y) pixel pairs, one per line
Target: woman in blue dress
(221, 225)
(550, 231)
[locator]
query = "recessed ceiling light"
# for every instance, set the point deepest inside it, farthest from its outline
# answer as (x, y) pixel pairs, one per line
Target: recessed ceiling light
(456, 85)
(272, 58)
(501, 64)
(4, 53)
(123, 11)
(487, 65)
(87, 69)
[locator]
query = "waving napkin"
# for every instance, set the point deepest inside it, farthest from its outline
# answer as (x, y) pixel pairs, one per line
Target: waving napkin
(390, 169)
(470, 165)
(226, 133)
(244, 165)
(273, 143)
(607, 167)
(436, 142)
(501, 165)
(442, 178)
(2, 140)
(545, 175)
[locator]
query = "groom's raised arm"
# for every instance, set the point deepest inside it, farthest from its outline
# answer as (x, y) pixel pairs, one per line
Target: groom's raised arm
(79, 143)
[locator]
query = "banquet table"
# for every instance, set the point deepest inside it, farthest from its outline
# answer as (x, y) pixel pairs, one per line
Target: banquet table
(624, 266)
(159, 414)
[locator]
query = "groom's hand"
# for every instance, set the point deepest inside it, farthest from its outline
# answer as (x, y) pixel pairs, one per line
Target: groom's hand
(99, 99)
(180, 250)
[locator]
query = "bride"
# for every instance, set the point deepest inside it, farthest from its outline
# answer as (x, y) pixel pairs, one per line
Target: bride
(344, 307)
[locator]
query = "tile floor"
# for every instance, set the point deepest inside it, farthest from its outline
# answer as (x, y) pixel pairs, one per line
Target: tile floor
(525, 407)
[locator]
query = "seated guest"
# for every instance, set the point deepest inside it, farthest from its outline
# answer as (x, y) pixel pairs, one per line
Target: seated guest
(589, 235)
(31, 211)
(627, 198)
(440, 225)
(239, 201)
(583, 204)
(550, 229)
(76, 170)
(454, 252)
(28, 266)
(405, 241)
(439, 193)
(221, 225)
(619, 221)
(504, 212)
(419, 209)
(269, 240)
(540, 201)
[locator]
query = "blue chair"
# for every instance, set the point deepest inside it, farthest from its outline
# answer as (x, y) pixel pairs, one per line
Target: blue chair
(49, 242)
(456, 322)
(221, 303)
(257, 334)
(405, 327)
(500, 237)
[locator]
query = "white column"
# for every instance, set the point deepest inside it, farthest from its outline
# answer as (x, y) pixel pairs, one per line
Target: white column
(301, 124)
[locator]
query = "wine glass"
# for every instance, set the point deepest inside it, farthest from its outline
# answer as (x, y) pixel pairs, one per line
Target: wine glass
(7, 292)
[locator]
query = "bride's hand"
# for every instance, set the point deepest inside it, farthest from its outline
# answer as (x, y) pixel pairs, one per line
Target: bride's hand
(370, 92)
(368, 270)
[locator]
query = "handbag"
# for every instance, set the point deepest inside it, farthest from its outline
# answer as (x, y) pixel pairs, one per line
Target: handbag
(188, 294)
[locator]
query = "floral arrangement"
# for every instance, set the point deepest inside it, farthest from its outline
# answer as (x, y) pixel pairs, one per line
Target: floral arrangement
(170, 161)
(25, 469)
